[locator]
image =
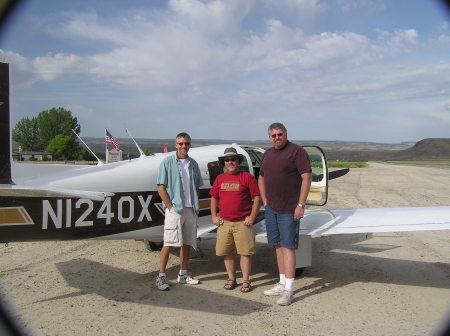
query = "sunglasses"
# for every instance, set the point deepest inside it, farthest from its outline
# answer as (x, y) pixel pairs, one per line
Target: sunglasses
(183, 143)
(277, 135)
(230, 159)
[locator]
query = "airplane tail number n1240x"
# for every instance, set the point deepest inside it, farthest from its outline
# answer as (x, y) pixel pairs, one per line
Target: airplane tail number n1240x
(119, 200)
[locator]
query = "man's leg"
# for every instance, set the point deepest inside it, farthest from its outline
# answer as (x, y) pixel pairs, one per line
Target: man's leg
(273, 238)
(280, 259)
(289, 229)
(189, 236)
(185, 251)
(163, 258)
(289, 262)
(160, 281)
(171, 234)
(246, 266)
(184, 277)
(229, 266)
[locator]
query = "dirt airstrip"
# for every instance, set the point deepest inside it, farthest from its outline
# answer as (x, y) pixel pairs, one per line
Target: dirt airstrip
(380, 284)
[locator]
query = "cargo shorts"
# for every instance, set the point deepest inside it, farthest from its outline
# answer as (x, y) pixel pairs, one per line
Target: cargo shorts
(180, 229)
(235, 235)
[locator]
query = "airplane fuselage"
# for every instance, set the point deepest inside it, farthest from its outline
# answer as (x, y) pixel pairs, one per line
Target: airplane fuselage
(133, 211)
(131, 207)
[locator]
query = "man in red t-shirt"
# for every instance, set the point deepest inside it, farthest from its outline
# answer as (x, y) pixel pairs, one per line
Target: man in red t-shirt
(236, 194)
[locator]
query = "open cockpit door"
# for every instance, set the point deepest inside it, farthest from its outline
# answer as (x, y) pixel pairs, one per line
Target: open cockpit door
(254, 159)
(318, 194)
(251, 163)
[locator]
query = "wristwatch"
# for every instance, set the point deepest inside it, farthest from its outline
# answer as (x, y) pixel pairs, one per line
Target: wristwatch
(301, 205)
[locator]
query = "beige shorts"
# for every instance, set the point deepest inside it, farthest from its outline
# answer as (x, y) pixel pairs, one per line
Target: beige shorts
(181, 229)
(233, 235)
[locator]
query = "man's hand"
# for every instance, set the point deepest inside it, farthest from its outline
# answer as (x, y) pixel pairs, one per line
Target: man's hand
(298, 213)
(215, 220)
(249, 221)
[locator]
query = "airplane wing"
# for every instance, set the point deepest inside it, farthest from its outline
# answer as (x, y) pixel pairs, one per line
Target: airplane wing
(348, 221)
(207, 232)
(206, 229)
(30, 191)
(370, 220)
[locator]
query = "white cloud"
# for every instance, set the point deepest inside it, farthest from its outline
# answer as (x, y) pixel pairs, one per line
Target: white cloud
(403, 38)
(444, 27)
(370, 5)
(217, 17)
(53, 66)
(49, 67)
(303, 8)
(179, 55)
(210, 58)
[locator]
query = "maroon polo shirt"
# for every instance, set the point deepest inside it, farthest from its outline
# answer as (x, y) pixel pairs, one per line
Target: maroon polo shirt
(281, 169)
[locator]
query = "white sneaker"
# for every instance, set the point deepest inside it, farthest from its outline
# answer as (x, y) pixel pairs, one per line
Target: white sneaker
(286, 298)
(277, 290)
(161, 283)
(187, 279)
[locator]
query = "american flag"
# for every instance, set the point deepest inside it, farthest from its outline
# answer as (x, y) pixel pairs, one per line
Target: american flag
(109, 138)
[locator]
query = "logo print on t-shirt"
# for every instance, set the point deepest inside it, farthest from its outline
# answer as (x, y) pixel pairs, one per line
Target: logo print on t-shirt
(230, 186)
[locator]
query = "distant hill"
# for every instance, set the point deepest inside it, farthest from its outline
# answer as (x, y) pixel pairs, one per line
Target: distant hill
(426, 149)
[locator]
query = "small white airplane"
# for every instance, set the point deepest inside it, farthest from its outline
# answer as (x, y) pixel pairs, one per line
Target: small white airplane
(120, 200)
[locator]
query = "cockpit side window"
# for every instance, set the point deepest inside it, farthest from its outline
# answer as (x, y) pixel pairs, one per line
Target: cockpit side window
(243, 166)
(256, 159)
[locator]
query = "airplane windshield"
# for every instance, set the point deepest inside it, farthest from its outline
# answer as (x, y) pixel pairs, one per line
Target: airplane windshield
(316, 165)
(255, 155)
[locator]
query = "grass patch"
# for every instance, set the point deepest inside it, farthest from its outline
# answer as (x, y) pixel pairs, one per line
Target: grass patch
(347, 164)
(443, 163)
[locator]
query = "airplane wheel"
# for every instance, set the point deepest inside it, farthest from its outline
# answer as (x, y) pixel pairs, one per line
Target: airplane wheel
(152, 246)
(299, 272)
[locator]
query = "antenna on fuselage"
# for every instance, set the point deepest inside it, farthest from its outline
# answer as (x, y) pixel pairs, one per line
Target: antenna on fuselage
(99, 162)
(139, 148)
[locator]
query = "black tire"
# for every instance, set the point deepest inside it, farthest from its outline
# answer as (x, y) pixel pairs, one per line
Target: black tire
(152, 246)
(299, 272)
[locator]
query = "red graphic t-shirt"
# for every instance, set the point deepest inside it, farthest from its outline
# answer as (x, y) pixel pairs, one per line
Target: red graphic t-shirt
(235, 194)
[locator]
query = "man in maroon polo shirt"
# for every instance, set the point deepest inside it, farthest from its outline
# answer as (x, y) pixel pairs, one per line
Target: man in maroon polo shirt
(284, 183)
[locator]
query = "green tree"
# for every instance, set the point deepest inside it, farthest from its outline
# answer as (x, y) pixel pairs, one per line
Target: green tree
(26, 134)
(64, 147)
(87, 156)
(56, 121)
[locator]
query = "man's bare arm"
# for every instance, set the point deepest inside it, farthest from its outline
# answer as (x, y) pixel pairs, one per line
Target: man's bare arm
(164, 196)
(304, 191)
(262, 189)
(213, 206)
(249, 220)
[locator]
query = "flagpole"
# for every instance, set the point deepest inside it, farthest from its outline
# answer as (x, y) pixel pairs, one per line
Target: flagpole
(106, 148)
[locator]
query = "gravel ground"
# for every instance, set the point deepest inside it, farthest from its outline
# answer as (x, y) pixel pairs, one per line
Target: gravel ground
(376, 284)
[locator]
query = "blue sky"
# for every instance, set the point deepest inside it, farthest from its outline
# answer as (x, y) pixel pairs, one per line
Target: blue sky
(355, 70)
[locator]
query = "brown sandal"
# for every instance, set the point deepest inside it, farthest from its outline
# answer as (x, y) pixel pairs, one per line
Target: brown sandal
(246, 286)
(230, 284)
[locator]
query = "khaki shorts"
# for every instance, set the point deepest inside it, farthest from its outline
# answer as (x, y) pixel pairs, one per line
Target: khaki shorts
(181, 229)
(233, 235)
